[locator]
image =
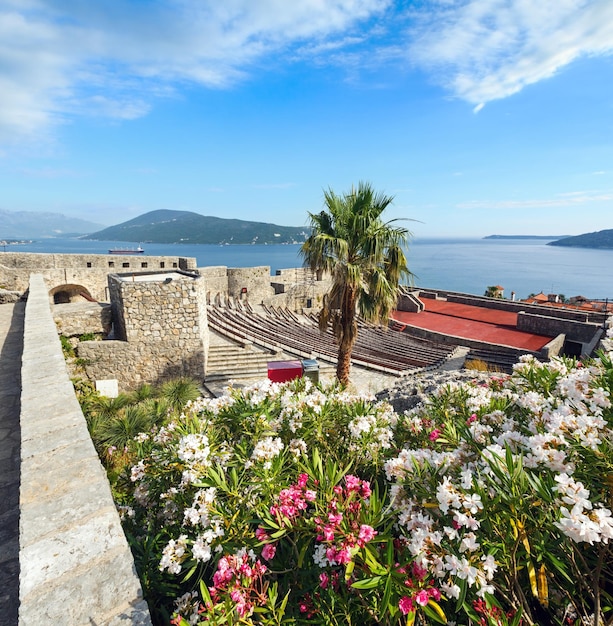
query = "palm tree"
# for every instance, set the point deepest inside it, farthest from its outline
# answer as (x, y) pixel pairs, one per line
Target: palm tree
(178, 391)
(364, 257)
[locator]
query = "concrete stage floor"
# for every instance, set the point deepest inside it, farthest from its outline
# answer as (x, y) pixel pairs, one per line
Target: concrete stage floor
(472, 322)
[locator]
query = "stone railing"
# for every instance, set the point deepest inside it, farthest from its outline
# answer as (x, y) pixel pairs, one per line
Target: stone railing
(75, 564)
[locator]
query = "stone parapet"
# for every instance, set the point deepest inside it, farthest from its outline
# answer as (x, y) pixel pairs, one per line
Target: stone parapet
(551, 326)
(76, 566)
(160, 329)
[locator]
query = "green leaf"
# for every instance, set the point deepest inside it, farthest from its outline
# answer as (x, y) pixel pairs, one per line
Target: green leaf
(367, 583)
(302, 553)
(387, 594)
(517, 619)
(191, 572)
(204, 592)
(372, 562)
(463, 589)
(560, 567)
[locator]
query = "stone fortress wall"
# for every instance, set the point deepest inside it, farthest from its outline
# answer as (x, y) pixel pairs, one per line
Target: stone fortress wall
(75, 277)
(160, 330)
(159, 308)
(156, 326)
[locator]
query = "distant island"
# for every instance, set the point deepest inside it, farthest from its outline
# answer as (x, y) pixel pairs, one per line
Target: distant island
(525, 236)
(166, 226)
(599, 239)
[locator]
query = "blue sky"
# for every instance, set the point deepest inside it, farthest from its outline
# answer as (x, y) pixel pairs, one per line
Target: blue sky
(478, 116)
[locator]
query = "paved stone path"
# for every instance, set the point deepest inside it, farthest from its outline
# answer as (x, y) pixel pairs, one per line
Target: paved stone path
(11, 346)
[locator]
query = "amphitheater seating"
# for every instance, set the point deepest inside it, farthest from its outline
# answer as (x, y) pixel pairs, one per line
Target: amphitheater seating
(496, 360)
(376, 348)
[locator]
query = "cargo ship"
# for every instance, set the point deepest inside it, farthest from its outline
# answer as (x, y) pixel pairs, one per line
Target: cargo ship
(138, 250)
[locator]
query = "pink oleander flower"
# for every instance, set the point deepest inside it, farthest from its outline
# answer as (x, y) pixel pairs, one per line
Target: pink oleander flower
(353, 483)
(335, 518)
(418, 570)
(434, 435)
(324, 580)
(367, 533)
(406, 605)
(343, 556)
(422, 597)
(302, 481)
(261, 534)
(434, 593)
(269, 551)
(328, 533)
(293, 500)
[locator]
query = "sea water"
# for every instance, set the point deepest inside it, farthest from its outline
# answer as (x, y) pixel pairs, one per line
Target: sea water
(523, 266)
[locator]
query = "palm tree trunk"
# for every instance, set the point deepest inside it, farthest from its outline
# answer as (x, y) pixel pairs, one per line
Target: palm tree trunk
(348, 336)
(343, 364)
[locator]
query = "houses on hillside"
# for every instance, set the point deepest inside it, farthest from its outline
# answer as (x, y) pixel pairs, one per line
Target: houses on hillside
(576, 303)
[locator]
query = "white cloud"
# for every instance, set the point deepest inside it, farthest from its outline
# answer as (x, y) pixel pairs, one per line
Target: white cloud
(483, 50)
(111, 58)
(561, 200)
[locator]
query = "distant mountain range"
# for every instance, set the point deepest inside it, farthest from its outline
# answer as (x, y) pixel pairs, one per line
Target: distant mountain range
(525, 236)
(599, 239)
(33, 225)
(166, 226)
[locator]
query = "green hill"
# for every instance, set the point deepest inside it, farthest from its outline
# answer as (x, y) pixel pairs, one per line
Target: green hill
(599, 239)
(167, 226)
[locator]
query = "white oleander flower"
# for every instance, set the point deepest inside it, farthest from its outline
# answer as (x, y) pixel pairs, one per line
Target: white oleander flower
(194, 449)
(267, 449)
(173, 555)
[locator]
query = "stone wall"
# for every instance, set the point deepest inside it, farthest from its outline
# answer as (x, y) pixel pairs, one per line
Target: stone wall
(581, 332)
(75, 563)
(410, 302)
(250, 284)
(160, 329)
(576, 326)
(470, 343)
(79, 277)
(9, 297)
(78, 318)
(216, 279)
(293, 288)
(77, 274)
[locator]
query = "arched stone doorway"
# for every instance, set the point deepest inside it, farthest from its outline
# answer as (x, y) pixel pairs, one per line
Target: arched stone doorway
(64, 294)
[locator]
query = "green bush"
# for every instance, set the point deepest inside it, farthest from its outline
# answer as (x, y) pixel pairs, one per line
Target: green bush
(289, 504)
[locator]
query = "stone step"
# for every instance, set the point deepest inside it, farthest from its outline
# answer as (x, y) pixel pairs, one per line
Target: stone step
(230, 361)
(235, 375)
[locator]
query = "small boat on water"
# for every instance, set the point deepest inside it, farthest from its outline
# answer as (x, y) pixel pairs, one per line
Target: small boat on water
(138, 250)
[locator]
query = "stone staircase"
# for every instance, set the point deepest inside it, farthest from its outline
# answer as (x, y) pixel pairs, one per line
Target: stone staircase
(232, 361)
(244, 363)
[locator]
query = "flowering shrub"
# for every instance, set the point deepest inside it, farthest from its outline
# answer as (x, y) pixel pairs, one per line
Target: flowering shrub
(489, 504)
